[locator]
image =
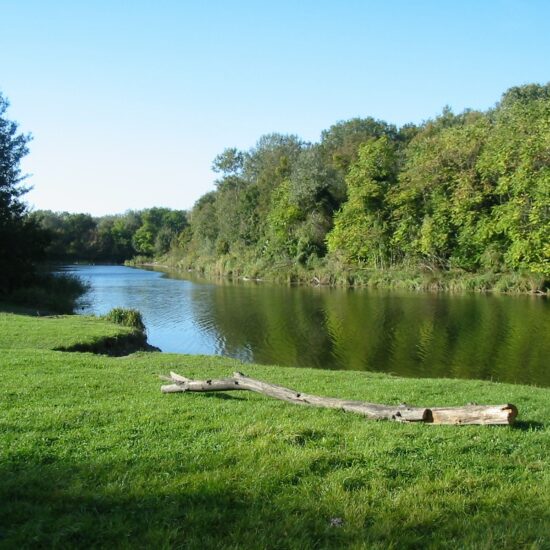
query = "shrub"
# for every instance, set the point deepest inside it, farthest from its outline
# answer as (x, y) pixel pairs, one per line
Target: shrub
(57, 293)
(126, 317)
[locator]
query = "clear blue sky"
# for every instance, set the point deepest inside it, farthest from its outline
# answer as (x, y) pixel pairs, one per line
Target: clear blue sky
(129, 101)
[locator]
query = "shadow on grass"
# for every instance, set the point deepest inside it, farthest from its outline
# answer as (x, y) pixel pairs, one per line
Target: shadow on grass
(114, 346)
(51, 503)
(146, 501)
(6, 307)
(528, 425)
(223, 396)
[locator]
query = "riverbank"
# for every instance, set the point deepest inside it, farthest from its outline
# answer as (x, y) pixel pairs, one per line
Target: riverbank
(46, 293)
(331, 273)
(94, 455)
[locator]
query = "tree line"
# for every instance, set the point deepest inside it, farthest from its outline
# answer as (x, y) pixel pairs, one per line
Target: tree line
(27, 238)
(468, 191)
(82, 237)
(460, 192)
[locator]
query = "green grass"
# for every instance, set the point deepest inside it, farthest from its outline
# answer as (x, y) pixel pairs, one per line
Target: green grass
(93, 455)
(126, 317)
(60, 332)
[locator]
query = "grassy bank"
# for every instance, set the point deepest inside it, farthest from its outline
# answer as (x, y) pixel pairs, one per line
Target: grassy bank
(332, 273)
(69, 333)
(92, 454)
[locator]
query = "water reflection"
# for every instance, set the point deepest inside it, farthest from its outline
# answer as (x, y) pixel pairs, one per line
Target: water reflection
(428, 335)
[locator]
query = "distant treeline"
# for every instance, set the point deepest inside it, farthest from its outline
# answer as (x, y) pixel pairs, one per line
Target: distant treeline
(117, 238)
(467, 191)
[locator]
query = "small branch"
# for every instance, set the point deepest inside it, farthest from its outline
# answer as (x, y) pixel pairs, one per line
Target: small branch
(469, 414)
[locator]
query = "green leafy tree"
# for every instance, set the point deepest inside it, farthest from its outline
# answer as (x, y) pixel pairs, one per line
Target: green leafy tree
(283, 221)
(204, 225)
(361, 226)
(441, 199)
(267, 166)
(341, 142)
(159, 227)
(122, 231)
(21, 242)
(143, 241)
(516, 162)
(230, 162)
(314, 189)
(242, 199)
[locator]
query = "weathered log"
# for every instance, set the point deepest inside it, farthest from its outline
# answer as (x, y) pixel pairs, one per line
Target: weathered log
(475, 414)
(469, 414)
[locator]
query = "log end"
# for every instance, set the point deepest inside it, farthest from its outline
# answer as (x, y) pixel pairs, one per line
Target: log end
(475, 414)
(512, 411)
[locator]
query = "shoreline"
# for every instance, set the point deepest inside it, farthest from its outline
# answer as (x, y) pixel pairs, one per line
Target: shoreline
(453, 282)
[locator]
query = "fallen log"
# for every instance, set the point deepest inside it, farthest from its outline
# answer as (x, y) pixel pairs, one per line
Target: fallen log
(475, 414)
(469, 414)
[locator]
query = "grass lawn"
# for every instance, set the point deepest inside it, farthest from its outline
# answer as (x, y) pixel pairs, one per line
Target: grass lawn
(66, 333)
(93, 455)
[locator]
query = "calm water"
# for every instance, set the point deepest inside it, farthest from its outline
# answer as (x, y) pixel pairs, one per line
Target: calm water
(502, 338)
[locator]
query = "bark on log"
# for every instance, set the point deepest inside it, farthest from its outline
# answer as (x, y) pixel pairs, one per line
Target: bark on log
(469, 414)
(475, 414)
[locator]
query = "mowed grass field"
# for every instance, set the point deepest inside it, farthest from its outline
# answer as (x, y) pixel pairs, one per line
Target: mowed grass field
(93, 455)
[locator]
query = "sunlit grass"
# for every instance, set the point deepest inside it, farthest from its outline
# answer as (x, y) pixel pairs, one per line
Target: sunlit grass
(92, 454)
(61, 331)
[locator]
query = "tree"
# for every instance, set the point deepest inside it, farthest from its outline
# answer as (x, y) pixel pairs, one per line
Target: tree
(204, 224)
(360, 231)
(516, 163)
(315, 190)
(282, 222)
(230, 162)
(341, 141)
(441, 199)
(20, 239)
(159, 227)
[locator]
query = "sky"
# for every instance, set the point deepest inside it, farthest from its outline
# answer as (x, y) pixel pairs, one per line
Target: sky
(129, 101)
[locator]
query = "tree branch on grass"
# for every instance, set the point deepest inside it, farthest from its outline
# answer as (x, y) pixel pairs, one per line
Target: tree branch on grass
(468, 414)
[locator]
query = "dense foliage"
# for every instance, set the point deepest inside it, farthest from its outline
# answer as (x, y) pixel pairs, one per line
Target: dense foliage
(20, 239)
(466, 192)
(110, 238)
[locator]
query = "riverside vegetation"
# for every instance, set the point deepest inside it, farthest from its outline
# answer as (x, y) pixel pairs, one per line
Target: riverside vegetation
(92, 454)
(460, 202)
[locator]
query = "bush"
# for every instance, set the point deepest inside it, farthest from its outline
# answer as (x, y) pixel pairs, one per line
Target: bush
(49, 292)
(126, 317)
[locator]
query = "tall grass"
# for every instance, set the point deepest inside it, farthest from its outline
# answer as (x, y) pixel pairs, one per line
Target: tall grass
(49, 292)
(329, 271)
(126, 317)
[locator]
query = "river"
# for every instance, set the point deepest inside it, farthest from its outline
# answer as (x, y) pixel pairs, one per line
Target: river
(491, 337)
